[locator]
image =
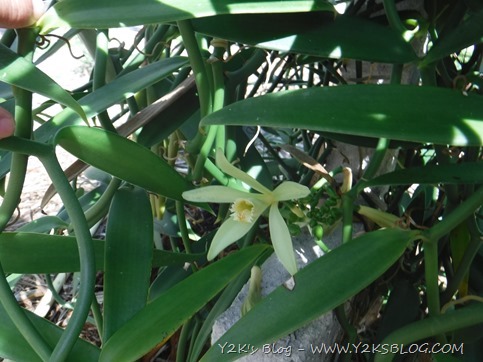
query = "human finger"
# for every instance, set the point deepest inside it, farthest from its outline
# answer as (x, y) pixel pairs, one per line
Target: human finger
(20, 13)
(7, 124)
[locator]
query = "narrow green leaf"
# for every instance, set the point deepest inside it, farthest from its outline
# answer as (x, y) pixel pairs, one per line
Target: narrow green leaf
(94, 103)
(402, 307)
(162, 317)
(468, 316)
(222, 303)
(468, 172)
(102, 14)
(315, 33)
(13, 345)
(468, 33)
(319, 287)
(31, 253)
(368, 142)
(128, 257)
(43, 225)
(122, 158)
(168, 121)
(459, 241)
(17, 71)
(407, 113)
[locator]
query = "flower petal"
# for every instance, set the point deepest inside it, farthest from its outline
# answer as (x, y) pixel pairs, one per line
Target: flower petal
(236, 173)
(229, 232)
(281, 240)
(232, 230)
(289, 190)
(218, 194)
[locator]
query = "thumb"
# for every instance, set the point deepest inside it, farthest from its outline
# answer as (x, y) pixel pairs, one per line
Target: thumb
(20, 13)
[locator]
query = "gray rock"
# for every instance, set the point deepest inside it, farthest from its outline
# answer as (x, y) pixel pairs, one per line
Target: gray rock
(300, 345)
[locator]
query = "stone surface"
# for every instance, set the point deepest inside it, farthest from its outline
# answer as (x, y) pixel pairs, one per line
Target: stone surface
(297, 346)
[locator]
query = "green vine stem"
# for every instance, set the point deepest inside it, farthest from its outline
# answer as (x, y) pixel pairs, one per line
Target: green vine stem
(214, 132)
(204, 152)
(443, 323)
(374, 165)
(219, 88)
(99, 76)
(250, 67)
(24, 146)
(459, 214)
(18, 169)
(86, 256)
(432, 236)
(8, 37)
(393, 17)
(198, 66)
(97, 313)
(57, 297)
(217, 173)
(383, 143)
(182, 226)
(23, 129)
(347, 210)
(135, 58)
(472, 249)
(431, 268)
(99, 209)
(19, 318)
(21, 321)
(203, 84)
(376, 159)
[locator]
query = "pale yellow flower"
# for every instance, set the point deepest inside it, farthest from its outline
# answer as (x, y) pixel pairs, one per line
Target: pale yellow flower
(247, 207)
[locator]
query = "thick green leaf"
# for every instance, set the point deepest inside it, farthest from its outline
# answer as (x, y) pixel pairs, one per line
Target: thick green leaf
(17, 71)
(13, 345)
(316, 34)
(122, 158)
(128, 257)
(162, 317)
(407, 113)
(108, 14)
(31, 253)
(114, 92)
(468, 172)
(319, 287)
(467, 34)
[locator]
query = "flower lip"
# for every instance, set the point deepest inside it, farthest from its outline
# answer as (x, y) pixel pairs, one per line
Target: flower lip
(243, 210)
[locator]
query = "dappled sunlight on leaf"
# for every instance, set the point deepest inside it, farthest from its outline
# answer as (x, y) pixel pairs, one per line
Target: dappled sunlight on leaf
(101, 13)
(395, 112)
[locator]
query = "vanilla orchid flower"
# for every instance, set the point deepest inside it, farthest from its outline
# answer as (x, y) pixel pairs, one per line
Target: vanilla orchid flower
(247, 207)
